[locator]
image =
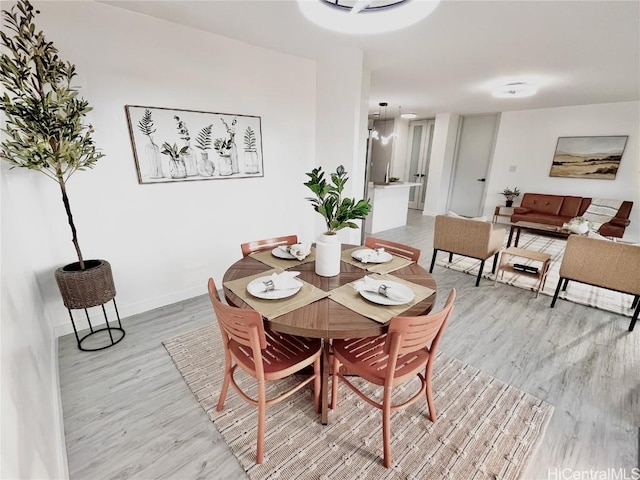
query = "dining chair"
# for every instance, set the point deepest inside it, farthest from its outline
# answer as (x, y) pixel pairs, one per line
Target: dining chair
(396, 248)
(267, 244)
(265, 355)
(392, 359)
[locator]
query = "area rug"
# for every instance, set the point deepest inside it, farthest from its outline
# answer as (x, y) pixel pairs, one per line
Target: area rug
(486, 429)
(576, 292)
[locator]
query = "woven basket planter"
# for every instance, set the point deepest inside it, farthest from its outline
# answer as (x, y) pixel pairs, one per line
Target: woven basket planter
(86, 288)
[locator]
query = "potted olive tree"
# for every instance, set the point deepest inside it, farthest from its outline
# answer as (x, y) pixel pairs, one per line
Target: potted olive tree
(338, 213)
(45, 131)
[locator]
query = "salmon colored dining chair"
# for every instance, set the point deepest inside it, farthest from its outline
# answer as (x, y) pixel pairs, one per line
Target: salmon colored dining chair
(265, 355)
(396, 248)
(267, 244)
(406, 350)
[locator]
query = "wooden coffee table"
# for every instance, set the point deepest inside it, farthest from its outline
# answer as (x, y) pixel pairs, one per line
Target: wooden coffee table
(538, 228)
(505, 266)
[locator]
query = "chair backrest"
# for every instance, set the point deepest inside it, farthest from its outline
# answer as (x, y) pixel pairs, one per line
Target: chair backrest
(267, 244)
(396, 248)
(415, 333)
(461, 235)
(237, 323)
(602, 263)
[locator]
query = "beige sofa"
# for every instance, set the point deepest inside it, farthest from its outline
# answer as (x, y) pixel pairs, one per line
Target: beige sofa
(470, 238)
(601, 263)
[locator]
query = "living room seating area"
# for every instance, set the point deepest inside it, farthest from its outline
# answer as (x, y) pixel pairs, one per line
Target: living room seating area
(558, 210)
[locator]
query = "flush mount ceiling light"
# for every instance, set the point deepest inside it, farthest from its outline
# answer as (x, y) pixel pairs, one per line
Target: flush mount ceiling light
(366, 16)
(407, 115)
(515, 90)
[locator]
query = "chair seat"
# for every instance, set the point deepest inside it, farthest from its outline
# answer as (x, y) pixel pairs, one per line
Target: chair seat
(284, 354)
(365, 356)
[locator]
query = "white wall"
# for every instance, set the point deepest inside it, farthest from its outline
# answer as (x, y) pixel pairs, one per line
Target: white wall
(164, 240)
(527, 141)
(32, 442)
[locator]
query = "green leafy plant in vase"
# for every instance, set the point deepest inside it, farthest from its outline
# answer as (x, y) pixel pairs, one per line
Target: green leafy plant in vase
(250, 152)
(187, 154)
(178, 168)
(338, 212)
(510, 195)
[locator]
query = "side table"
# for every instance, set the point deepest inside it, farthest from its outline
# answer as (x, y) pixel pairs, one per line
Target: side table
(505, 266)
(502, 211)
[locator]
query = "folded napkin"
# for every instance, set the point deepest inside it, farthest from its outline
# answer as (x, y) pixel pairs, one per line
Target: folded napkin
(281, 281)
(368, 255)
(298, 250)
(368, 284)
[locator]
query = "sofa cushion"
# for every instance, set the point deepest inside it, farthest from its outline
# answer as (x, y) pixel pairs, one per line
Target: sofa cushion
(547, 204)
(571, 206)
(543, 218)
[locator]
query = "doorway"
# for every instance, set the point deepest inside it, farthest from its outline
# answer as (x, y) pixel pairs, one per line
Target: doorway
(420, 140)
(476, 141)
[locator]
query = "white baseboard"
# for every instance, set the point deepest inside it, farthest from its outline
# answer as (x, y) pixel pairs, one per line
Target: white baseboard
(97, 318)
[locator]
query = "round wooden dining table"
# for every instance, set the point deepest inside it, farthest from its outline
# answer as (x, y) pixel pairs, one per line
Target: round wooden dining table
(326, 319)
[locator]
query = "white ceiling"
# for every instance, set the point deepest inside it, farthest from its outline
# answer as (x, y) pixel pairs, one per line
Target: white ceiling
(578, 52)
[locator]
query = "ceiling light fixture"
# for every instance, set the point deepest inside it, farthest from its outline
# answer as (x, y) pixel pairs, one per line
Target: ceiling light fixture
(366, 16)
(385, 139)
(407, 115)
(515, 90)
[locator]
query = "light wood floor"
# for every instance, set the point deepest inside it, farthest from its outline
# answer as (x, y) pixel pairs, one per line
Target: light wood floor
(129, 415)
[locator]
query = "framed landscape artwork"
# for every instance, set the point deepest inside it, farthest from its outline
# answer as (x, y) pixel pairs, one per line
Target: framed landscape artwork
(173, 145)
(588, 157)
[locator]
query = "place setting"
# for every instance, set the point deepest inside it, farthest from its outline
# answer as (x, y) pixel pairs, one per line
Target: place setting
(275, 292)
(380, 297)
(287, 256)
(376, 260)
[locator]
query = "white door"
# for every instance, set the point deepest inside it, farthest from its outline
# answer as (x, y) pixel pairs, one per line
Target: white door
(476, 141)
(420, 139)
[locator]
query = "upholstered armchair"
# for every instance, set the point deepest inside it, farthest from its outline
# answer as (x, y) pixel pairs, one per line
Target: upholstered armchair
(602, 263)
(470, 238)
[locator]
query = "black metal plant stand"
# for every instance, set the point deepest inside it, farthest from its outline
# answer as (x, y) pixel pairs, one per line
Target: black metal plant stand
(117, 330)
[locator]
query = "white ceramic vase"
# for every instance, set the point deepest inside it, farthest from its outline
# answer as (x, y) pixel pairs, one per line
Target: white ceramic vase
(328, 252)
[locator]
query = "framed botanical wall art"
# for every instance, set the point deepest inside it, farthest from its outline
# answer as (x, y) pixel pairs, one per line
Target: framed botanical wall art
(588, 157)
(174, 145)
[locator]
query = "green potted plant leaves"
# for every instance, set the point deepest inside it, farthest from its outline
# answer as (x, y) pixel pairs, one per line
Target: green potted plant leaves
(206, 168)
(338, 213)
(46, 132)
(177, 168)
(510, 195)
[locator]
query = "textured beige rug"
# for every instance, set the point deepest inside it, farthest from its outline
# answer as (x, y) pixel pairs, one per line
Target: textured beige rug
(576, 292)
(486, 429)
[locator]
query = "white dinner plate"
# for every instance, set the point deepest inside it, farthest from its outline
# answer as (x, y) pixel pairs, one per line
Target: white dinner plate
(382, 300)
(278, 252)
(383, 257)
(256, 285)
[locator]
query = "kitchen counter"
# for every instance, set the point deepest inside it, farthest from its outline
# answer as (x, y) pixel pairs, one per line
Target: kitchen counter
(390, 204)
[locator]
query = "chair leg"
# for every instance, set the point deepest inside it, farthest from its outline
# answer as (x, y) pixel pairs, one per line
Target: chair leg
(634, 319)
(433, 260)
(555, 295)
(386, 427)
(480, 273)
(635, 302)
(450, 257)
(225, 382)
(566, 282)
(429, 392)
(316, 384)
(262, 417)
(495, 262)
(334, 382)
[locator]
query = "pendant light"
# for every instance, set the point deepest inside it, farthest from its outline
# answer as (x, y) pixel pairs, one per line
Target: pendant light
(385, 139)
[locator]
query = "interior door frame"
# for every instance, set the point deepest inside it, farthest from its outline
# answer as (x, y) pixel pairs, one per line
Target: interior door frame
(424, 153)
(454, 166)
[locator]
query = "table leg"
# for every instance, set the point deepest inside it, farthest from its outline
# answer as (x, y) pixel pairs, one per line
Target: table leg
(518, 230)
(325, 382)
(510, 236)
